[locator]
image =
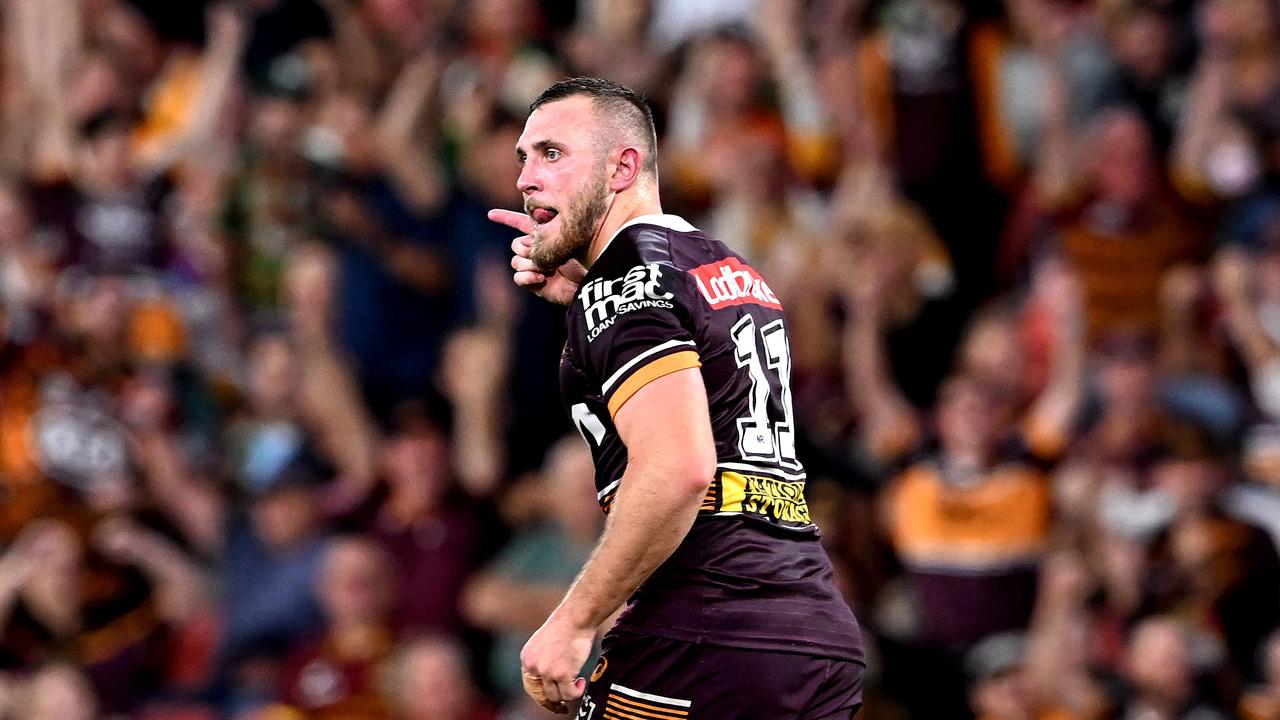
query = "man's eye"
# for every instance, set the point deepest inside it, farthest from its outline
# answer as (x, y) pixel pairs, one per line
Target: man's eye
(553, 155)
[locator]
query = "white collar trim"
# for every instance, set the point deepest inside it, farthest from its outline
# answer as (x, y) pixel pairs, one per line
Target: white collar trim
(671, 222)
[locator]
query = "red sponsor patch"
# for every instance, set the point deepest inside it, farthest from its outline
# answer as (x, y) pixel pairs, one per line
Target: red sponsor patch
(732, 282)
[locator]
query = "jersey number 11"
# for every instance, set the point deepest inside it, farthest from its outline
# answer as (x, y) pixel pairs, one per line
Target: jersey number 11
(760, 437)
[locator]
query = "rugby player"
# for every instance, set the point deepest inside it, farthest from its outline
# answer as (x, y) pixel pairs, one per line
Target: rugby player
(677, 372)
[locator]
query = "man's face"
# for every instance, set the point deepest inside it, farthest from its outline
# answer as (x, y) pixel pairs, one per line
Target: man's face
(562, 179)
(1158, 661)
(285, 516)
(1122, 160)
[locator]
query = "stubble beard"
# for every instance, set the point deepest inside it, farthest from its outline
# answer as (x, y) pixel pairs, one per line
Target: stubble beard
(578, 228)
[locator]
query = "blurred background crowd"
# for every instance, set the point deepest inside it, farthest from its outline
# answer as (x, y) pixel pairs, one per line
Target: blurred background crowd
(279, 439)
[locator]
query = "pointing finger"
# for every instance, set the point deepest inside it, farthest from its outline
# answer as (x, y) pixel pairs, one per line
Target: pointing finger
(512, 219)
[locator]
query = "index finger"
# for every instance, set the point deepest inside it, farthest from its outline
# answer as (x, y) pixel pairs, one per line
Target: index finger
(513, 219)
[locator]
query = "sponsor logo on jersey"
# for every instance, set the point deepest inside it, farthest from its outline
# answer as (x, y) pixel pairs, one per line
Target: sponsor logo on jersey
(605, 299)
(601, 665)
(732, 282)
(781, 501)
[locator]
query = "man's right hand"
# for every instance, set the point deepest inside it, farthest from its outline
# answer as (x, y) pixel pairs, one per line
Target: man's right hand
(560, 286)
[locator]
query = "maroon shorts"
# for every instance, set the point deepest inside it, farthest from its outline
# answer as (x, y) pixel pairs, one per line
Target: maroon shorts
(640, 677)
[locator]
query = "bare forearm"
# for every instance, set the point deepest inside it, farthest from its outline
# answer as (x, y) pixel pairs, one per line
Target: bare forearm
(865, 363)
(1054, 177)
(477, 435)
(193, 508)
(650, 518)
(410, 157)
(180, 586)
(1177, 344)
(218, 79)
(498, 604)
(1058, 405)
(332, 406)
(1247, 334)
(1201, 124)
(359, 60)
(884, 411)
(801, 104)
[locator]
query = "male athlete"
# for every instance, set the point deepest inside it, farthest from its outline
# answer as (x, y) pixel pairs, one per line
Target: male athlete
(677, 372)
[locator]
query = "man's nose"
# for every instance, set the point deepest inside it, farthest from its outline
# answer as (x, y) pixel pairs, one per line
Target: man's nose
(528, 181)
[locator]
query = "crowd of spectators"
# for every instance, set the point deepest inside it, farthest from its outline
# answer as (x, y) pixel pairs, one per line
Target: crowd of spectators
(279, 438)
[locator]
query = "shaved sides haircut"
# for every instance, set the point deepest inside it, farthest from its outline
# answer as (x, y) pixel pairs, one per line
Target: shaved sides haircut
(626, 113)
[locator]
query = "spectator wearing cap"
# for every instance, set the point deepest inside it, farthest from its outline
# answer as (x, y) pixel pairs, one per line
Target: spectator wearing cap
(998, 688)
(269, 568)
(282, 26)
(266, 547)
(1002, 685)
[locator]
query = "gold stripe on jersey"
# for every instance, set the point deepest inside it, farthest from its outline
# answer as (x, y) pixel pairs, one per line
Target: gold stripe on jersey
(616, 714)
(662, 366)
(627, 708)
(711, 501)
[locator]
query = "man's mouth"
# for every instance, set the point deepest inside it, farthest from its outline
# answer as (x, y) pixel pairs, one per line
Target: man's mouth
(542, 215)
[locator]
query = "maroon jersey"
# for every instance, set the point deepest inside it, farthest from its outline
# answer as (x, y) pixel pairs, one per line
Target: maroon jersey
(664, 297)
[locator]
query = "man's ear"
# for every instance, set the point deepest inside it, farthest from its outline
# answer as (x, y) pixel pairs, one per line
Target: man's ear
(626, 171)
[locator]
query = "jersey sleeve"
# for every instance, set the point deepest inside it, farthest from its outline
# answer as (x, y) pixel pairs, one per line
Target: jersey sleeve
(638, 328)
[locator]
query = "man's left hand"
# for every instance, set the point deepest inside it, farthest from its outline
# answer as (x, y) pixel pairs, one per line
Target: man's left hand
(550, 662)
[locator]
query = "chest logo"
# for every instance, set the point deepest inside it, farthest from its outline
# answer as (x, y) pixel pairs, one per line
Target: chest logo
(605, 299)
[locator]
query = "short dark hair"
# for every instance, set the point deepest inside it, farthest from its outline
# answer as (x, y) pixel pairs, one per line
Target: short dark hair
(619, 101)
